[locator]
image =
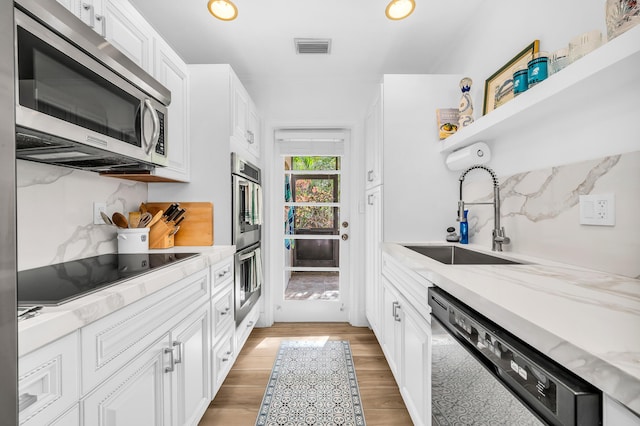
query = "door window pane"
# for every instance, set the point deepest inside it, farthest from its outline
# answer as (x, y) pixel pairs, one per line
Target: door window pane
(314, 163)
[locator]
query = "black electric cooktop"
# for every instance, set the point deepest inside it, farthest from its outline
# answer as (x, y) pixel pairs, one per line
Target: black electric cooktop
(53, 285)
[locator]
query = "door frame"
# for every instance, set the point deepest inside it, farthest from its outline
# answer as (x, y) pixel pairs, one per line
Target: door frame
(273, 301)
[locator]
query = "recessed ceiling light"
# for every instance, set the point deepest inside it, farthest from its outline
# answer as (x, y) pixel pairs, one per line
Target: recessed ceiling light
(400, 9)
(224, 10)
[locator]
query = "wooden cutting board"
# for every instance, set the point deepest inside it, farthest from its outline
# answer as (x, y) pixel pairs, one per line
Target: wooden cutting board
(197, 227)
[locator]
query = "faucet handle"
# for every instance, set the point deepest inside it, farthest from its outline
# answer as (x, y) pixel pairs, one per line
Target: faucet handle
(501, 237)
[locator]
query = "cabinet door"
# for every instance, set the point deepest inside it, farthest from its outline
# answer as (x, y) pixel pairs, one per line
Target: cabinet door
(240, 109)
(373, 143)
(223, 355)
(373, 238)
(615, 414)
(416, 362)
(90, 12)
(190, 391)
(70, 418)
(171, 71)
(253, 130)
(139, 394)
(124, 27)
(392, 332)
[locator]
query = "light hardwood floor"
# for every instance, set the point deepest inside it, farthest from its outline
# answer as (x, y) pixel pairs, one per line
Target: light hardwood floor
(239, 398)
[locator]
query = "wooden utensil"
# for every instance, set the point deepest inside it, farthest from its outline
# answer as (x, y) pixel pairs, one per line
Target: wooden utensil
(134, 219)
(156, 217)
(120, 220)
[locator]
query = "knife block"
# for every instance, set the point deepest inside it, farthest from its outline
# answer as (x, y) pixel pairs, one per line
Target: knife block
(159, 237)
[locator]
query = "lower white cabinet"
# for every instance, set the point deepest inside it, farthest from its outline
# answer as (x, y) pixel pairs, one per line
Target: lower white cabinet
(48, 382)
(168, 383)
(70, 418)
(246, 326)
(406, 342)
(222, 358)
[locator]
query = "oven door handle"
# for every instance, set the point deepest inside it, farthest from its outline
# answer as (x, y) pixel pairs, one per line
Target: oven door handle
(244, 257)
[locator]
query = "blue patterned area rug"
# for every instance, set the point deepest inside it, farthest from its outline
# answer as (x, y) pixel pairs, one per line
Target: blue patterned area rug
(312, 383)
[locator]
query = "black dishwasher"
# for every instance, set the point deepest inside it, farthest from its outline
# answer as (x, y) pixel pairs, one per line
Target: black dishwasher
(483, 375)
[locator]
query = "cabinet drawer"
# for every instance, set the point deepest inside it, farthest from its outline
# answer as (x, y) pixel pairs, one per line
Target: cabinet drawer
(222, 275)
(113, 341)
(246, 326)
(222, 312)
(48, 381)
(410, 284)
(223, 355)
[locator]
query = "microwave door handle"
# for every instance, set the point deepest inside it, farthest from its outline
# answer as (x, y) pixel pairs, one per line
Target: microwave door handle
(156, 127)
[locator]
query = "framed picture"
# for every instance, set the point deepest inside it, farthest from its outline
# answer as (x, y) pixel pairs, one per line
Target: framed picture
(498, 89)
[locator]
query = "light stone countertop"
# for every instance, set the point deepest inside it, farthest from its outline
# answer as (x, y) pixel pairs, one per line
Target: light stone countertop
(57, 321)
(587, 321)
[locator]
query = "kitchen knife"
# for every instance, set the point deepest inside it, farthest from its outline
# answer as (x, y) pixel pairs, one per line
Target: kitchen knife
(178, 215)
(179, 221)
(172, 208)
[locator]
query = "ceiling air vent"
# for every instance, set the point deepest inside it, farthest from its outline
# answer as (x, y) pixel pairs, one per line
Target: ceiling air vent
(312, 45)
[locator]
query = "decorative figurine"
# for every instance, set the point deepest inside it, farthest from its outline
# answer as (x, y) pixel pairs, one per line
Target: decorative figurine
(466, 106)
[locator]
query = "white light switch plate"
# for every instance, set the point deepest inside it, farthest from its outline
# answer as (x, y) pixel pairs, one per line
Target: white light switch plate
(598, 209)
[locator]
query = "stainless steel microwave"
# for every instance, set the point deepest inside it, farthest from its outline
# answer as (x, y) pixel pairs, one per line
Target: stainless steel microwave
(79, 102)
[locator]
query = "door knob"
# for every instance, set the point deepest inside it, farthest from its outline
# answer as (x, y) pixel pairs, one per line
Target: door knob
(345, 224)
(345, 237)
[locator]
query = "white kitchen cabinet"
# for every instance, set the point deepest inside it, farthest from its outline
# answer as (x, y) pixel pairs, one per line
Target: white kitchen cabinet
(373, 142)
(245, 136)
(113, 341)
(122, 26)
(223, 355)
(168, 383)
(373, 256)
(172, 72)
(615, 414)
(138, 394)
(222, 276)
(246, 326)
(407, 339)
(48, 381)
(70, 5)
(191, 394)
(391, 328)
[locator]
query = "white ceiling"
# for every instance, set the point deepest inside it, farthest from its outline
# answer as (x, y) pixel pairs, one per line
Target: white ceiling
(259, 44)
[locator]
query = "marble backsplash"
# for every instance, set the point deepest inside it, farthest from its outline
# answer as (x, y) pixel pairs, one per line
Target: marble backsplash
(541, 213)
(55, 212)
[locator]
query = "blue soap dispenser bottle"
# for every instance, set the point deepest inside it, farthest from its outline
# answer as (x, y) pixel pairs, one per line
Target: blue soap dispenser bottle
(464, 229)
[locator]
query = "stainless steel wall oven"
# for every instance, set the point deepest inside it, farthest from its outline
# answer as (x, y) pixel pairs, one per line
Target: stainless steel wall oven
(246, 234)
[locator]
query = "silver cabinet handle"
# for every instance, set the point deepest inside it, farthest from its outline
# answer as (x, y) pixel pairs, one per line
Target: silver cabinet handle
(180, 346)
(225, 359)
(26, 400)
(172, 361)
(92, 14)
(370, 175)
(226, 311)
(223, 273)
(249, 324)
(250, 138)
(370, 199)
(103, 25)
(397, 316)
(394, 307)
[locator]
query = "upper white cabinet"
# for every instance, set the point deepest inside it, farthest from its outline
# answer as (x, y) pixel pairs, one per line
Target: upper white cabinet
(373, 142)
(245, 126)
(595, 82)
(172, 72)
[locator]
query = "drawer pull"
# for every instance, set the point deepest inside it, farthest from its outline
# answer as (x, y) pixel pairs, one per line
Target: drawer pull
(26, 400)
(223, 273)
(172, 361)
(180, 346)
(249, 324)
(226, 311)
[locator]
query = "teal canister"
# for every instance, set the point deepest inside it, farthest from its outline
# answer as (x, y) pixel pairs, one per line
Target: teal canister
(520, 80)
(538, 68)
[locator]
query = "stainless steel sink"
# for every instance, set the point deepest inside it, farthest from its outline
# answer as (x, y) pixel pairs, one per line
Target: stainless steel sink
(454, 255)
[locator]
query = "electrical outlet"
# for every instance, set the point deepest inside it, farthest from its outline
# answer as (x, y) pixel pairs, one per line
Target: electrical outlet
(97, 217)
(597, 209)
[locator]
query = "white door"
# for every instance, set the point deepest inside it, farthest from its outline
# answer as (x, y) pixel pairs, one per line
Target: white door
(311, 278)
